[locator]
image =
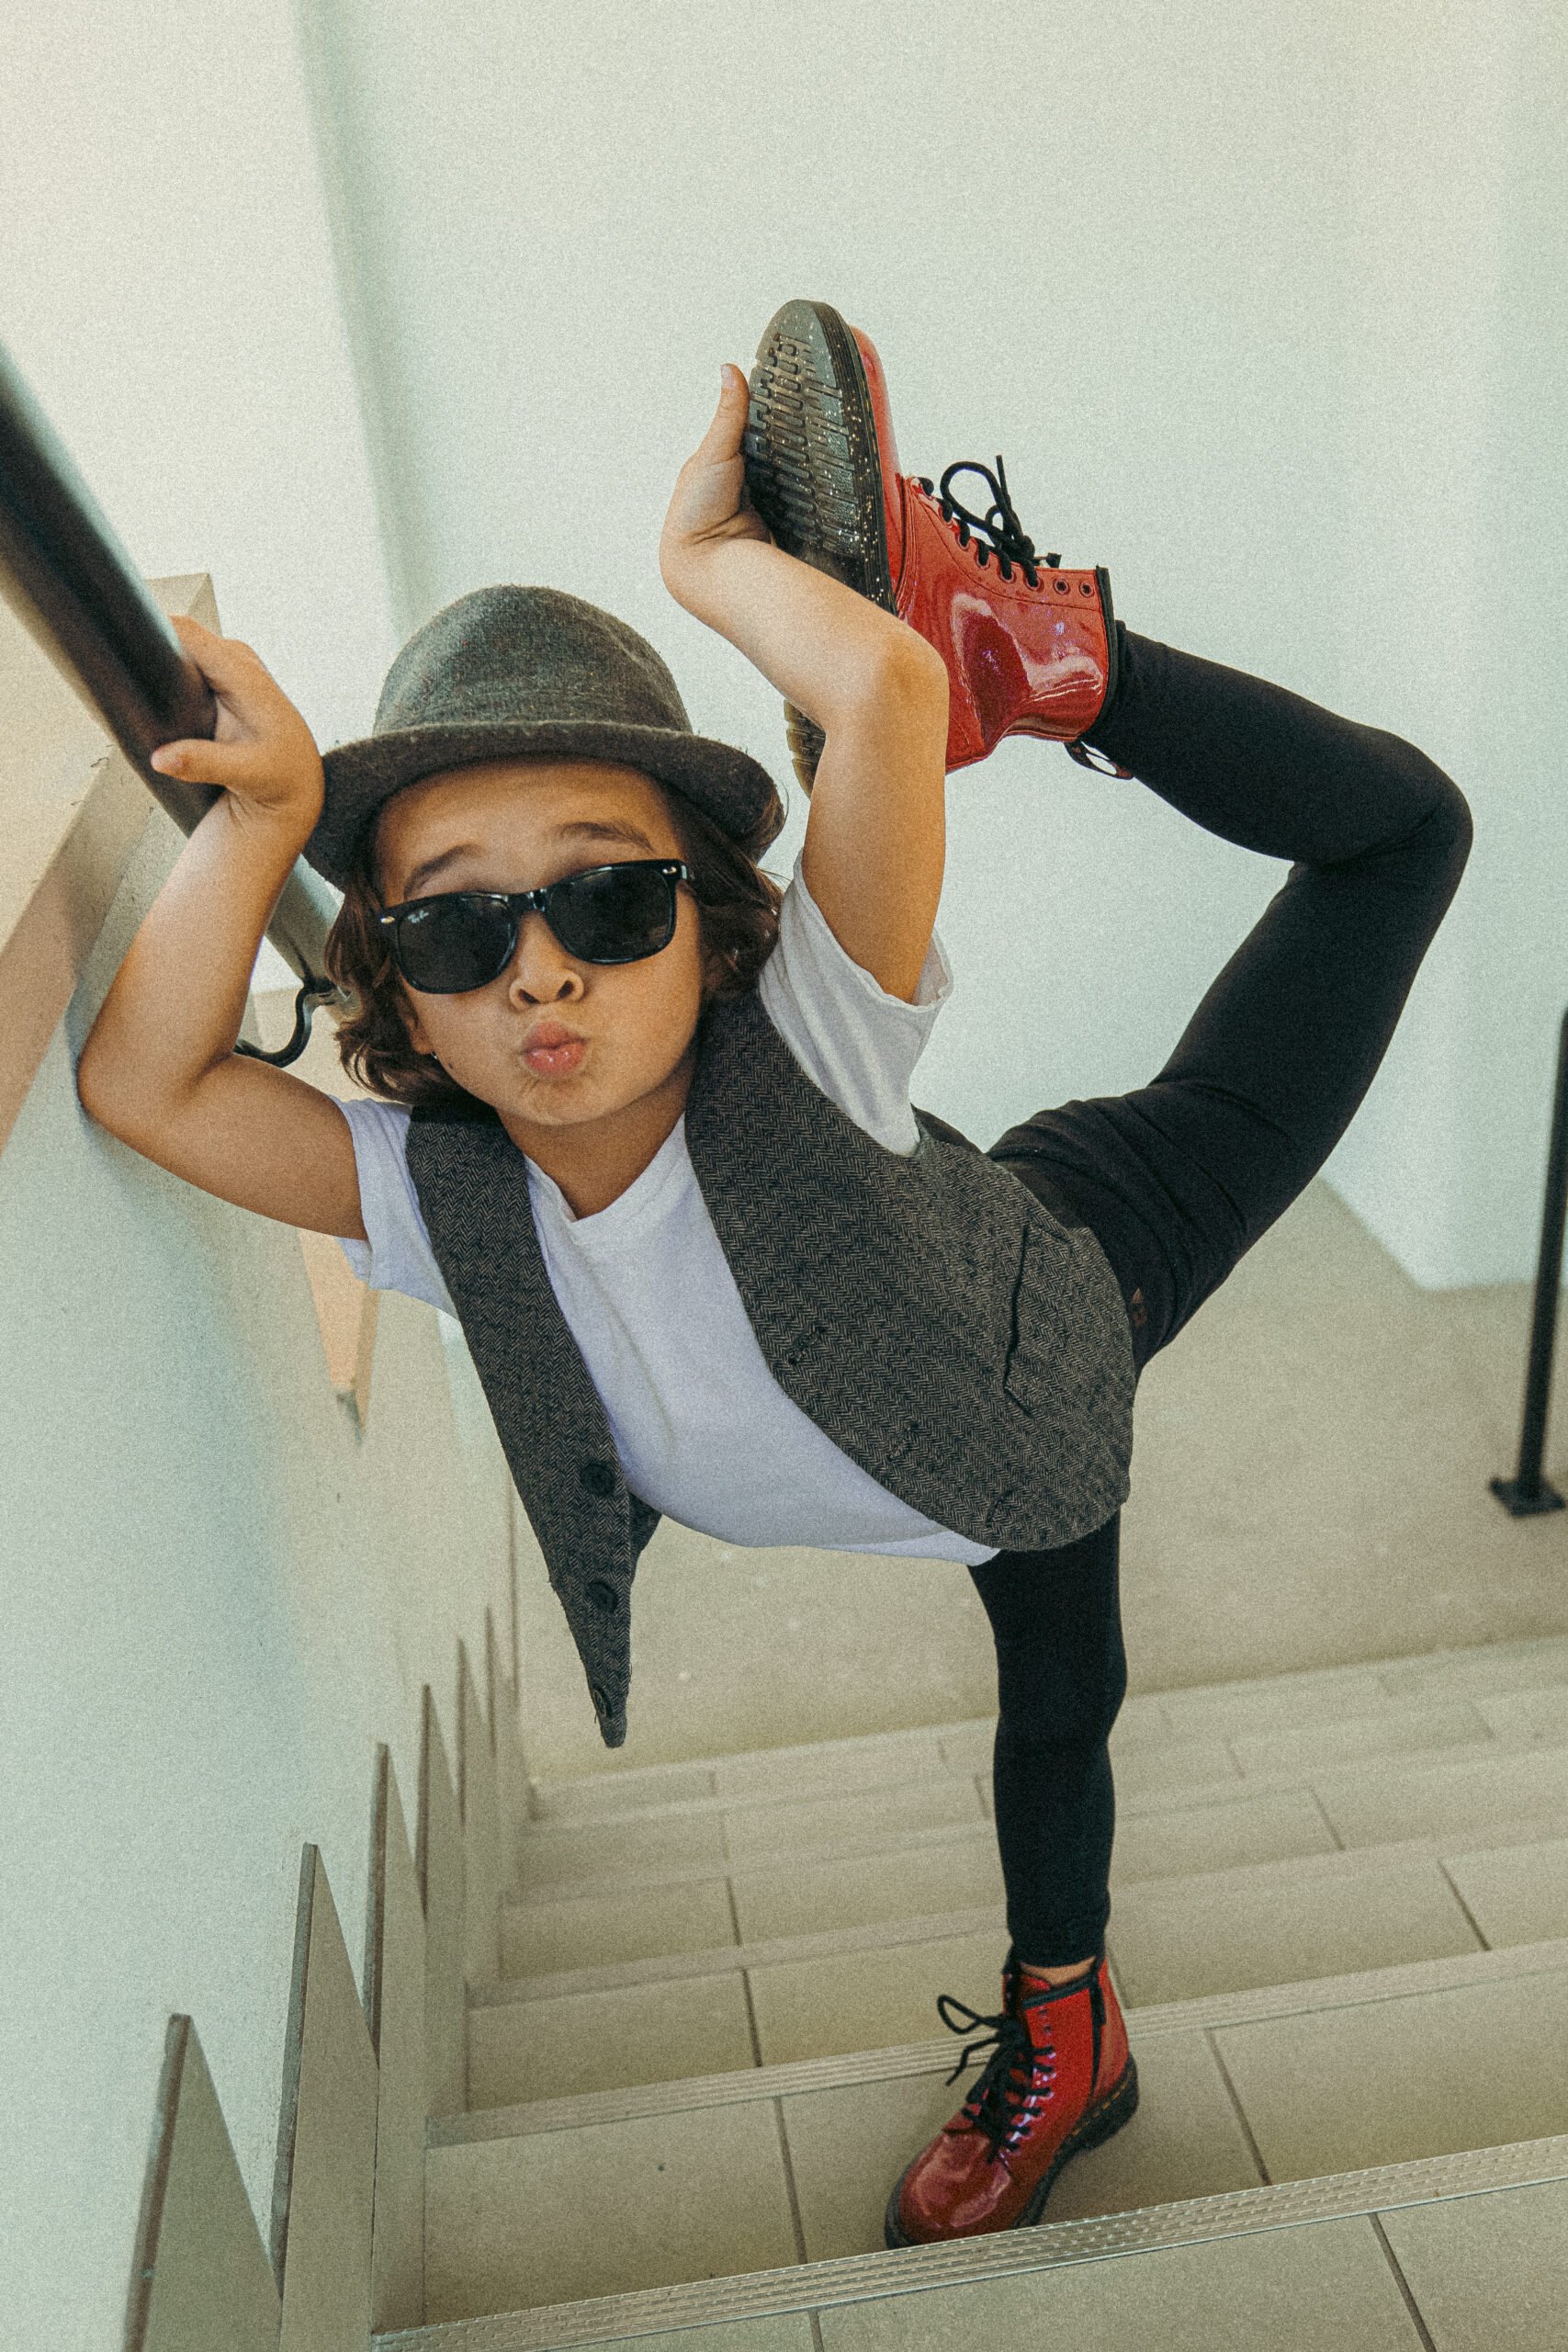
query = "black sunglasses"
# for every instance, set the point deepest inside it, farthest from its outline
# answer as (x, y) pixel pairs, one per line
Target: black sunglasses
(607, 914)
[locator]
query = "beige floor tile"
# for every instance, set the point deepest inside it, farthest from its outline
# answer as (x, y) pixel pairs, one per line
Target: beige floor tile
(834, 1765)
(968, 1747)
(872, 2000)
(544, 1934)
(754, 1830)
(1426, 2075)
(849, 2146)
(623, 1791)
(1274, 1706)
(1434, 1724)
(1179, 1763)
(552, 2216)
(1528, 1718)
(1219, 1834)
(1533, 1665)
(1480, 1793)
(1515, 1895)
(554, 1853)
(599, 2041)
(1323, 2288)
(807, 1898)
(1176, 1942)
(1489, 2274)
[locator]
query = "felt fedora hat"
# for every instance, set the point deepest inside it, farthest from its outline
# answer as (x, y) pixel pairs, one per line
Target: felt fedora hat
(509, 673)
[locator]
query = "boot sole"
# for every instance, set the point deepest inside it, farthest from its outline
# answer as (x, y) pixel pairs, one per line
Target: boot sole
(1101, 2124)
(814, 468)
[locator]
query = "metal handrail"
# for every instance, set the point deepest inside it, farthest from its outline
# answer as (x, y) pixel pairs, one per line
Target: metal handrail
(71, 583)
(1527, 1491)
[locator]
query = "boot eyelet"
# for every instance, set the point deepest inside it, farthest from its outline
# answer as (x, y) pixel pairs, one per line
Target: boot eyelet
(1063, 589)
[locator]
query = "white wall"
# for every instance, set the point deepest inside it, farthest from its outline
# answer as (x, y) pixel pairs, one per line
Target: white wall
(168, 290)
(1257, 306)
(218, 1597)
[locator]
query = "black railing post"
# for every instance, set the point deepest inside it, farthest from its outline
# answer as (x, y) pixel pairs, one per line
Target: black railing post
(1527, 1491)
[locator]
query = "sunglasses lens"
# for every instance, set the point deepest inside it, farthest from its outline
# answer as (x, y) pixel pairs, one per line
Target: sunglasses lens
(454, 944)
(615, 916)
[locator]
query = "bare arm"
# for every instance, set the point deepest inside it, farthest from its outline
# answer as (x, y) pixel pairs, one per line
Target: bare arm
(875, 839)
(159, 1068)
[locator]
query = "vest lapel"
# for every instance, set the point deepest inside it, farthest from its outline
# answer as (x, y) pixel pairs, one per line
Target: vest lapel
(472, 1182)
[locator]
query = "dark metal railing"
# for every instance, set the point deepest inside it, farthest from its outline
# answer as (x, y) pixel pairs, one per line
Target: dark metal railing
(71, 583)
(1527, 1491)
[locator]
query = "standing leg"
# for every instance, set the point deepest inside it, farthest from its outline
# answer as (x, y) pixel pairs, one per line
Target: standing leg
(1061, 1678)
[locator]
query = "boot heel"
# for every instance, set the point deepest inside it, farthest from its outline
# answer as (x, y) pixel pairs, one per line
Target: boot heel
(813, 466)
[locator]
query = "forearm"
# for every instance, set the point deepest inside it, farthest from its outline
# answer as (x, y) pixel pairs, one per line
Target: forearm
(174, 1009)
(826, 649)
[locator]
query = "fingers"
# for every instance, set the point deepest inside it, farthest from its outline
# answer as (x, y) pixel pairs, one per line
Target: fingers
(722, 439)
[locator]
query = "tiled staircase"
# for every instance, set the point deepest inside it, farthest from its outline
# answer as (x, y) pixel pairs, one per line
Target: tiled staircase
(1340, 1930)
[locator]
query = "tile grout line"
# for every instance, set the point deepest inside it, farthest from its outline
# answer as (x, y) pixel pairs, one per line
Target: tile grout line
(1403, 2283)
(796, 2224)
(1322, 1811)
(751, 2017)
(1471, 1919)
(1254, 2150)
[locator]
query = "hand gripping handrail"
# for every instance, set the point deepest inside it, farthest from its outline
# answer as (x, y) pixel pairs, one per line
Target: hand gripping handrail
(71, 583)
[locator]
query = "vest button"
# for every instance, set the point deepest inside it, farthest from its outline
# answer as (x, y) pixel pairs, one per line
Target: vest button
(599, 1477)
(604, 1597)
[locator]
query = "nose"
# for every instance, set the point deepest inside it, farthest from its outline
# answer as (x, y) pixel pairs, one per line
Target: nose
(541, 972)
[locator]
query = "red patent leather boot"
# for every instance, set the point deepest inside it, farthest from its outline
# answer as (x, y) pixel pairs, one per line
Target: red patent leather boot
(1030, 650)
(1060, 2079)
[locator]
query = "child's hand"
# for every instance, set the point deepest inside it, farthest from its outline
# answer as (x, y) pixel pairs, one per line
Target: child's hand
(709, 506)
(263, 754)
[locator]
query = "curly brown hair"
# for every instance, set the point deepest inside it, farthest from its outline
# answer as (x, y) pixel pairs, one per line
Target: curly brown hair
(737, 914)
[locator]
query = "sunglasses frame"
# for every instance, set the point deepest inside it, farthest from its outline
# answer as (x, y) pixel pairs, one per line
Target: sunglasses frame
(519, 903)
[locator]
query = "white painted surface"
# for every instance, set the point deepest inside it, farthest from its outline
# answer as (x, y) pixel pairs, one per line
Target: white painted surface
(1266, 312)
(218, 1597)
(168, 291)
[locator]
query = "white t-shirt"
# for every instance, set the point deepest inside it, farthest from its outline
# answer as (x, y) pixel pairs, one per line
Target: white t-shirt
(703, 1430)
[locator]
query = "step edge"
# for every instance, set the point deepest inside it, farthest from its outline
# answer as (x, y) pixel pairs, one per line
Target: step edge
(848, 2278)
(823, 1944)
(790, 2077)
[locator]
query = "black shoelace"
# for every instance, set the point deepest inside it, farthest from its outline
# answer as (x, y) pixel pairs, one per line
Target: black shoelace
(998, 532)
(1018, 2077)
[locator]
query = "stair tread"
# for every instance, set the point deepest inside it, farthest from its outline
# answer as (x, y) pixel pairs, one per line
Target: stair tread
(1509, 2169)
(1353, 1990)
(1537, 1849)
(1252, 1708)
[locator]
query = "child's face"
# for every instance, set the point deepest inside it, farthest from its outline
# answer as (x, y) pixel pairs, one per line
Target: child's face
(516, 825)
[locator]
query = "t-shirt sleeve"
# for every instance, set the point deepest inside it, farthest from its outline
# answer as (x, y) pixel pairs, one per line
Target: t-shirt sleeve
(852, 1039)
(398, 1255)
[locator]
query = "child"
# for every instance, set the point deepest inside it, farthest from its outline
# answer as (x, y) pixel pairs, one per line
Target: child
(656, 1148)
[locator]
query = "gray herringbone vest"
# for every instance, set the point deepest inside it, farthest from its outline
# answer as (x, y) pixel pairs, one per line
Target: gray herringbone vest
(932, 1319)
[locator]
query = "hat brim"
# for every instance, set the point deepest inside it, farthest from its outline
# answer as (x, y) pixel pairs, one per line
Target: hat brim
(734, 790)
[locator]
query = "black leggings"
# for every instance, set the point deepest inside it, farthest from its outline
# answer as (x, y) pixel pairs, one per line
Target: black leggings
(1178, 1179)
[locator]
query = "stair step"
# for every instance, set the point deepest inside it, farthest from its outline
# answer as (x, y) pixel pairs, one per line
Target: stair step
(1366, 1798)
(1283, 1707)
(1498, 1803)
(629, 2193)
(1464, 2204)
(1170, 1939)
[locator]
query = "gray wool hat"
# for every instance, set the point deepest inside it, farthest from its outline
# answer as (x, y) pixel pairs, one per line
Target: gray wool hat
(509, 673)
